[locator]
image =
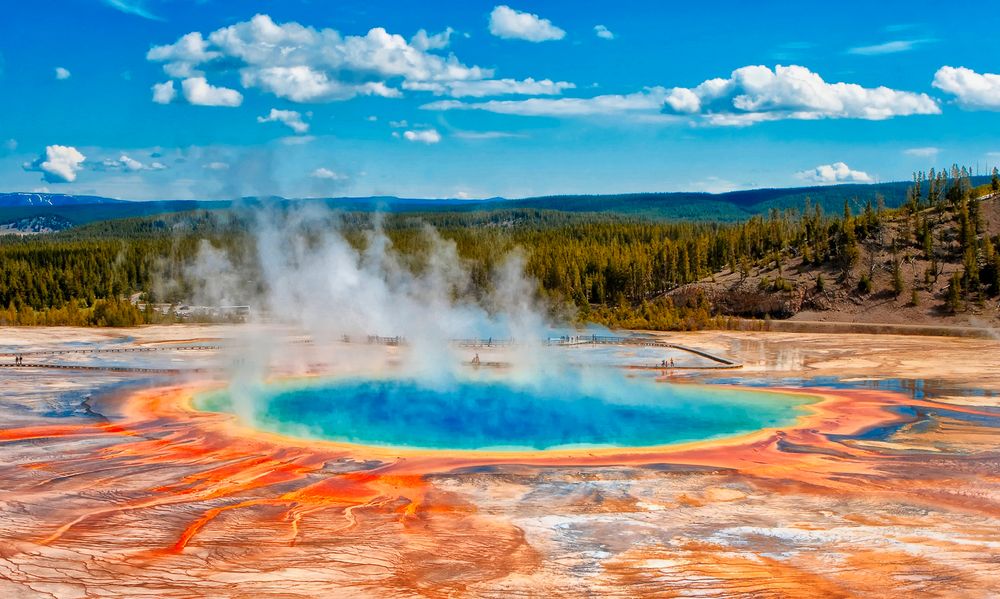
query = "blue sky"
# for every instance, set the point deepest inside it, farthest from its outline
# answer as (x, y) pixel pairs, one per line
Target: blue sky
(209, 98)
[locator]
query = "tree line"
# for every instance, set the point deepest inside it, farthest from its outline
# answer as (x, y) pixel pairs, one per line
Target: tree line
(613, 269)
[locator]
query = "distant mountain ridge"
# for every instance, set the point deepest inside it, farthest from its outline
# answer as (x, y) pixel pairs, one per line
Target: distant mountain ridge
(729, 206)
(22, 199)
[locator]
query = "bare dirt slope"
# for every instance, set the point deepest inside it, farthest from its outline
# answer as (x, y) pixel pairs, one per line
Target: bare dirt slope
(798, 291)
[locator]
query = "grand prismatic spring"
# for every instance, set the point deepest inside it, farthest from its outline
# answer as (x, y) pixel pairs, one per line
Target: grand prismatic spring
(366, 299)
(491, 414)
(799, 474)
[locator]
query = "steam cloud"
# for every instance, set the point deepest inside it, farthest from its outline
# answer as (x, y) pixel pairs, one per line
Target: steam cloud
(312, 279)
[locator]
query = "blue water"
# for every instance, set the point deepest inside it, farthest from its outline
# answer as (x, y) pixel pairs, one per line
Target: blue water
(495, 414)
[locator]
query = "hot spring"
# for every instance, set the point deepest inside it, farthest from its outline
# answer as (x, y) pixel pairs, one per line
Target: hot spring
(490, 413)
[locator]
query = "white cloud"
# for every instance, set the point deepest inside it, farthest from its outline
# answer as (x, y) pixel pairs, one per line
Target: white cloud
(757, 93)
(492, 87)
(199, 92)
(127, 164)
(184, 55)
(427, 136)
(132, 7)
(305, 84)
(164, 93)
(683, 100)
(750, 95)
(927, 152)
(290, 118)
(327, 175)
(59, 164)
(508, 23)
(892, 47)
(402, 124)
(304, 64)
(62, 73)
(603, 32)
(972, 90)
(10, 145)
(423, 42)
(371, 118)
(217, 166)
(649, 101)
(838, 172)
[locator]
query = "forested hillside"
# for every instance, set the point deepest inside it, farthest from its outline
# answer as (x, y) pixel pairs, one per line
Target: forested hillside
(619, 270)
(932, 261)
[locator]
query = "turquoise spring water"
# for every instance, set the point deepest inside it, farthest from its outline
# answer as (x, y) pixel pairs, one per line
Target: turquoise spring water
(503, 415)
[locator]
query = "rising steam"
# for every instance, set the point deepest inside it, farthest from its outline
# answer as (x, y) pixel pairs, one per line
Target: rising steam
(309, 277)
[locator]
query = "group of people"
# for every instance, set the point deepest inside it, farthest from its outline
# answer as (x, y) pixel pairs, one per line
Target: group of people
(18, 360)
(667, 363)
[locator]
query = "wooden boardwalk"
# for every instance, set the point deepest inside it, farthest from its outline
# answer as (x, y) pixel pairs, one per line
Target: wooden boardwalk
(111, 350)
(565, 341)
(83, 367)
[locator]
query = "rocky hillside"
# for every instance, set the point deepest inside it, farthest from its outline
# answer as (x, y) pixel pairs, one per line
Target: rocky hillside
(903, 274)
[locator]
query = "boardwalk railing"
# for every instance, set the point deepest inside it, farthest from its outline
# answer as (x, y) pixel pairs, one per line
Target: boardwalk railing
(485, 342)
(473, 343)
(642, 342)
(103, 368)
(110, 350)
